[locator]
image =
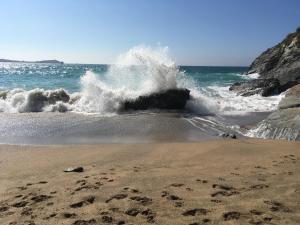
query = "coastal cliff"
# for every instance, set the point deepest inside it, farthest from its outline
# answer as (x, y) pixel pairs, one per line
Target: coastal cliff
(278, 69)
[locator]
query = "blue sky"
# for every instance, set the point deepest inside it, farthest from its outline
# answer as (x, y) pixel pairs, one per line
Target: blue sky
(197, 32)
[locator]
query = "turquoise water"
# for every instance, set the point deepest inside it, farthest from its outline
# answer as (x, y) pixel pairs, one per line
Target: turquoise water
(28, 76)
(101, 89)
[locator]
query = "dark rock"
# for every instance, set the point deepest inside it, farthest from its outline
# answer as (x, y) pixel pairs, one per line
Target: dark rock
(291, 99)
(170, 99)
(265, 87)
(281, 62)
(74, 169)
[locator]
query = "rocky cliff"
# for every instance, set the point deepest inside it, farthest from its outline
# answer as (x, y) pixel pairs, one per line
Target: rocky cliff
(284, 123)
(279, 64)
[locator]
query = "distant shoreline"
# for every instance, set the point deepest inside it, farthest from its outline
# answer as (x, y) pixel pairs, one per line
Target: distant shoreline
(41, 61)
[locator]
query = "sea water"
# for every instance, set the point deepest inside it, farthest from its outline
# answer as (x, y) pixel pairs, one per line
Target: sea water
(140, 71)
(97, 91)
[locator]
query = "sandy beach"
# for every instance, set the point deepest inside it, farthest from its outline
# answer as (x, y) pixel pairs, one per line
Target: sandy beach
(210, 182)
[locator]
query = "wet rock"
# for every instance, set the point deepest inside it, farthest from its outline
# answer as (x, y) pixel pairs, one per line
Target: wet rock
(264, 87)
(170, 99)
(281, 124)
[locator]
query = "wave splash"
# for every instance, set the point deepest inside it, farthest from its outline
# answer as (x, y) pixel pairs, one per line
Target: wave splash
(140, 71)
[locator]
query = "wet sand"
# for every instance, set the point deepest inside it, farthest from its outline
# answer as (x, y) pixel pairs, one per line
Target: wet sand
(210, 182)
(141, 127)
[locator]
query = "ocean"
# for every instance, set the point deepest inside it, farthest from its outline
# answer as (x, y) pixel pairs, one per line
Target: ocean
(95, 92)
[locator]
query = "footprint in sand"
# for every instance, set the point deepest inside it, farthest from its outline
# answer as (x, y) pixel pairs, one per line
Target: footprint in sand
(4, 209)
(147, 213)
(85, 201)
(216, 200)
(196, 211)
(117, 197)
(170, 197)
(20, 204)
(132, 212)
(259, 186)
(226, 190)
(142, 200)
(176, 185)
(204, 221)
(256, 212)
(277, 206)
(40, 198)
(43, 182)
(132, 190)
(202, 181)
(84, 222)
(233, 215)
(26, 211)
(68, 215)
(107, 219)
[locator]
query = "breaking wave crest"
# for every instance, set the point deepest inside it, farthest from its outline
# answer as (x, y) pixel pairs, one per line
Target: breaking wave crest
(140, 71)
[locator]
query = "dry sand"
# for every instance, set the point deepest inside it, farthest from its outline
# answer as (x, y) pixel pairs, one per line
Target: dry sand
(211, 182)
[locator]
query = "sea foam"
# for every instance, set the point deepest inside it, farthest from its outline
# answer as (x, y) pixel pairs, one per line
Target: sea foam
(140, 71)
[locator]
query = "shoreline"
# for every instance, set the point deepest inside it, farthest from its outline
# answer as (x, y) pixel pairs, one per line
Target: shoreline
(209, 182)
(143, 127)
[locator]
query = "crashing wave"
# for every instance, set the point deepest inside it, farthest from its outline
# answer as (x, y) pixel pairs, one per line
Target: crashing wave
(141, 71)
(36, 100)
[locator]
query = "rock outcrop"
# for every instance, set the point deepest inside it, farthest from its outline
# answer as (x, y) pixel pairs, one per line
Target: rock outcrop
(170, 99)
(283, 123)
(279, 65)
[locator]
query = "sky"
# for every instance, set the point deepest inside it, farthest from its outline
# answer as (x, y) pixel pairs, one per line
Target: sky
(197, 32)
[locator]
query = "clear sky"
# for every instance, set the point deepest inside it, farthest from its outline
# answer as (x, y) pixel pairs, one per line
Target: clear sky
(197, 32)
